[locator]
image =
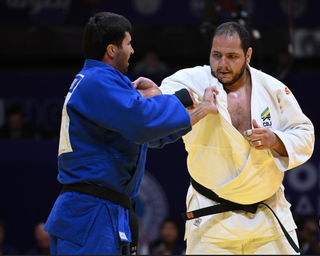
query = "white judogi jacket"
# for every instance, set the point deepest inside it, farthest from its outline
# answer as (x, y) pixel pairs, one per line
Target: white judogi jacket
(221, 159)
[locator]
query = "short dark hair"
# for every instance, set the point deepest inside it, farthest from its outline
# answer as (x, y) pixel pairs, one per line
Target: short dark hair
(173, 221)
(14, 110)
(302, 219)
(102, 29)
(234, 28)
(3, 225)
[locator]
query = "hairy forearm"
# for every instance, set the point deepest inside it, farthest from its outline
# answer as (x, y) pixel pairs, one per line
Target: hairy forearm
(200, 112)
(206, 106)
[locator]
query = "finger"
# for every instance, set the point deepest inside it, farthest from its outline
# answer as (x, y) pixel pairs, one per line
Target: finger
(248, 133)
(215, 89)
(259, 147)
(256, 143)
(255, 124)
(210, 91)
(136, 82)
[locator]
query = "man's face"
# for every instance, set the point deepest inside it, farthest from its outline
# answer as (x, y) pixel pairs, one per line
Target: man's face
(169, 232)
(227, 59)
(2, 234)
(15, 121)
(122, 56)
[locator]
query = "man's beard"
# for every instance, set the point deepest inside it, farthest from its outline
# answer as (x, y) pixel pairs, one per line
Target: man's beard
(235, 78)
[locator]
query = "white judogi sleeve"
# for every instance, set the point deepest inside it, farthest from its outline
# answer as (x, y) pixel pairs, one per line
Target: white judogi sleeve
(291, 125)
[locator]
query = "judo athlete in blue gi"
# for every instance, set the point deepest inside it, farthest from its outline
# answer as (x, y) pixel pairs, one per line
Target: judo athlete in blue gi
(107, 124)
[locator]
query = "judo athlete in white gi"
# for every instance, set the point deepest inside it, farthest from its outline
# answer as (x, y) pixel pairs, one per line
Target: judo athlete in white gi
(242, 152)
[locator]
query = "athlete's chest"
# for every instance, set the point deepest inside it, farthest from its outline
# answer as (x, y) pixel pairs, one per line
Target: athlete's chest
(239, 108)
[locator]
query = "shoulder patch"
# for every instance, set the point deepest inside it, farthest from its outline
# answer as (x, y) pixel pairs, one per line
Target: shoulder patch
(287, 90)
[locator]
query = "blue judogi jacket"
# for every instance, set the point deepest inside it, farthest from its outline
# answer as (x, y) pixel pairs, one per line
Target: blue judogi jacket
(106, 129)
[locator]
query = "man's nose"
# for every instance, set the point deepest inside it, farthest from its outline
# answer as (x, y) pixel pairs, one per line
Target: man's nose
(223, 61)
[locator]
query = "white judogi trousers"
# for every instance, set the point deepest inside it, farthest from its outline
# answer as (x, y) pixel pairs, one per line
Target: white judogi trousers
(196, 244)
(236, 232)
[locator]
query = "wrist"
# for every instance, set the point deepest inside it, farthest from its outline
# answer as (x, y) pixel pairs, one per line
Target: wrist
(200, 112)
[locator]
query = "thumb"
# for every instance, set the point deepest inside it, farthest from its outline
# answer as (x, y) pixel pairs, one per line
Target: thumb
(135, 83)
(255, 124)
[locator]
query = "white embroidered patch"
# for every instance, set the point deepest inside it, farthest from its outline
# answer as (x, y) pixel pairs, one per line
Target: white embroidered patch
(197, 222)
(123, 235)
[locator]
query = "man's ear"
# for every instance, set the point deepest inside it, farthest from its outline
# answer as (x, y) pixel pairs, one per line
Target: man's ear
(249, 54)
(111, 50)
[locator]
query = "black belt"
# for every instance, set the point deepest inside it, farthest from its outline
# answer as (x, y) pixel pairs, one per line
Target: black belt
(226, 205)
(114, 197)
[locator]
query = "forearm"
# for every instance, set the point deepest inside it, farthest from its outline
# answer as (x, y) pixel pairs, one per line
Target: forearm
(206, 105)
(279, 146)
(200, 112)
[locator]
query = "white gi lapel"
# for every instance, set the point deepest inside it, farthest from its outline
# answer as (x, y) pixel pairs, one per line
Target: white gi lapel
(255, 182)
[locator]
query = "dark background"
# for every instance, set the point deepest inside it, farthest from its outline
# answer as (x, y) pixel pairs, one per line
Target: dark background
(40, 52)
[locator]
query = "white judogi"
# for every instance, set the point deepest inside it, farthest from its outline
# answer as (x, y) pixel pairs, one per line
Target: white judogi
(221, 159)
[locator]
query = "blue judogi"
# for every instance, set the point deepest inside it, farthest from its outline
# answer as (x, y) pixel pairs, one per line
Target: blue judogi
(106, 129)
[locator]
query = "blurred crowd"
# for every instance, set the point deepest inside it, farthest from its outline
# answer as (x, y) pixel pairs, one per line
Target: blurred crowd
(40, 246)
(17, 127)
(169, 240)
